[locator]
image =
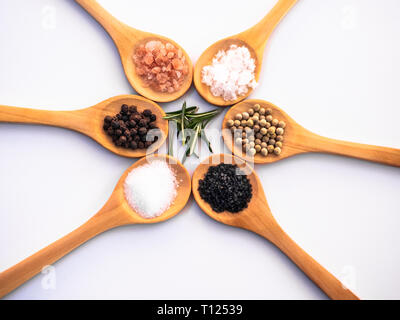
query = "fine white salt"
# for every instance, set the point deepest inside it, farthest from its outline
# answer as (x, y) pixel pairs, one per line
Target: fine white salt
(150, 189)
(231, 73)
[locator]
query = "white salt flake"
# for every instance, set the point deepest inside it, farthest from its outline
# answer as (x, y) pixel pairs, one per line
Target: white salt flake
(231, 73)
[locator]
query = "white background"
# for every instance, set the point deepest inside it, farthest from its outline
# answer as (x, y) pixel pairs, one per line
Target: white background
(332, 65)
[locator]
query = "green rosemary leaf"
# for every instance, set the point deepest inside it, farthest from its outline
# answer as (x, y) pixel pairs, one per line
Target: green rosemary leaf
(205, 139)
(183, 123)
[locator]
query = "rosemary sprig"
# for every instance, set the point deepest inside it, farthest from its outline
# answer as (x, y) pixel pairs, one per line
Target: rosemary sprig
(188, 118)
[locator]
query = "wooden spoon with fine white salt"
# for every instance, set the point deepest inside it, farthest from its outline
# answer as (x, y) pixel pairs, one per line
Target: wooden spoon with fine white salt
(116, 212)
(254, 39)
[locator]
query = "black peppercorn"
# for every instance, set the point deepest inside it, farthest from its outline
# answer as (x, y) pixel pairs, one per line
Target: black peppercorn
(134, 145)
(142, 131)
(124, 108)
(115, 124)
(147, 113)
(133, 132)
(129, 128)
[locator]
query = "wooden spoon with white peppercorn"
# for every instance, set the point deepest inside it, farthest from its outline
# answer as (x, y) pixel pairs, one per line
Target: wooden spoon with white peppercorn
(254, 39)
(298, 140)
(127, 39)
(257, 217)
(90, 121)
(116, 212)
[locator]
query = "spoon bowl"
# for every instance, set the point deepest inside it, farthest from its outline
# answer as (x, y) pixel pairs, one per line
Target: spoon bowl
(116, 212)
(298, 140)
(90, 121)
(257, 217)
(127, 39)
(254, 39)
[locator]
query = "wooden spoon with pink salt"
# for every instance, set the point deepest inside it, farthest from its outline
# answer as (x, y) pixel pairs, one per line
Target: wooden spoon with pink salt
(156, 67)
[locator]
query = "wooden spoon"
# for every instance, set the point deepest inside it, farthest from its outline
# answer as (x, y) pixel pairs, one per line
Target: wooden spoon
(90, 121)
(254, 39)
(257, 217)
(116, 212)
(299, 140)
(127, 39)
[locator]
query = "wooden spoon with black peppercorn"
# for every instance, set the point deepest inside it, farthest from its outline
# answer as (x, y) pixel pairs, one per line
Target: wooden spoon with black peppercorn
(298, 140)
(127, 40)
(257, 217)
(90, 121)
(116, 212)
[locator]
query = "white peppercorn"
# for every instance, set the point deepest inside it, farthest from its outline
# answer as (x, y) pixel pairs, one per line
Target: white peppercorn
(245, 116)
(264, 152)
(271, 141)
(238, 116)
(280, 131)
(271, 130)
(270, 148)
(230, 123)
(275, 122)
(282, 124)
(248, 130)
(278, 144)
(269, 118)
(257, 141)
(250, 112)
(264, 144)
(263, 131)
(237, 123)
(277, 151)
(257, 147)
(252, 152)
(262, 111)
(257, 107)
(279, 138)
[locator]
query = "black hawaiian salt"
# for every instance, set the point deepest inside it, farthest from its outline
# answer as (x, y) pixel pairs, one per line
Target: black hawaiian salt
(226, 188)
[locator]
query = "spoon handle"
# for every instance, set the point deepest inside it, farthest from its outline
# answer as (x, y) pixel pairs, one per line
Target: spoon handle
(389, 156)
(15, 276)
(103, 17)
(259, 34)
(329, 284)
(74, 120)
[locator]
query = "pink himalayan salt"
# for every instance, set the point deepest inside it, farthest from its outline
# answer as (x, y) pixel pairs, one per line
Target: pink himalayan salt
(161, 66)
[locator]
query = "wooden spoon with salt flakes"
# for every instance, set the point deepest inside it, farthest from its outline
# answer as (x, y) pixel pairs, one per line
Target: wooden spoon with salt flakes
(257, 217)
(116, 212)
(127, 39)
(89, 121)
(254, 39)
